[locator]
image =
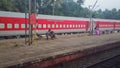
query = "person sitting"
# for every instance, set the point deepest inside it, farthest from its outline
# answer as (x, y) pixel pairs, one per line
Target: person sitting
(97, 31)
(51, 34)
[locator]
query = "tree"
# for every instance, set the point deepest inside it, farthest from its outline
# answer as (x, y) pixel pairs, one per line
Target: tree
(7, 5)
(118, 14)
(58, 7)
(114, 13)
(80, 2)
(50, 5)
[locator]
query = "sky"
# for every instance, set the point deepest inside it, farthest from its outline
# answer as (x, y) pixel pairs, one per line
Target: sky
(103, 4)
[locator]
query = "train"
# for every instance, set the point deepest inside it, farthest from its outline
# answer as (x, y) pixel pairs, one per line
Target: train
(15, 24)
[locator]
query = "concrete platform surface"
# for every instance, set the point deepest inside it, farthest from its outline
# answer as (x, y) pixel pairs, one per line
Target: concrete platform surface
(14, 51)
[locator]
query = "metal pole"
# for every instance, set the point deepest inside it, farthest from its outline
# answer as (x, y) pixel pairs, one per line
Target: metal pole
(91, 22)
(54, 7)
(94, 4)
(29, 22)
(90, 19)
(34, 31)
(25, 23)
(35, 6)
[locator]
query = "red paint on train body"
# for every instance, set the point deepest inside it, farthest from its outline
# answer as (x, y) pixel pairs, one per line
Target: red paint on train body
(14, 22)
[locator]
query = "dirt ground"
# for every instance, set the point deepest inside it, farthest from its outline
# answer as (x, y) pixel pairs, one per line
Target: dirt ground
(14, 51)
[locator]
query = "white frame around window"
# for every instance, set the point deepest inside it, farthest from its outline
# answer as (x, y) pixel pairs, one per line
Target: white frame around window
(16, 25)
(81, 26)
(9, 25)
(2, 25)
(44, 25)
(73, 26)
(48, 25)
(53, 26)
(56, 25)
(27, 25)
(22, 25)
(40, 26)
(60, 25)
(67, 25)
(63, 25)
(34, 26)
(76, 26)
(70, 25)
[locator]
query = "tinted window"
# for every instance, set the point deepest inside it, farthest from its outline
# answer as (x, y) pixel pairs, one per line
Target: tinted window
(16, 25)
(2, 25)
(9, 25)
(23, 26)
(44, 25)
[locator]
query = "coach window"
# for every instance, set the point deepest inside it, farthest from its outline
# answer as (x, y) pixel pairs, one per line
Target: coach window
(70, 26)
(53, 26)
(76, 25)
(40, 26)
(22, 25)
(34, 26)
(73, 26)
(81, 26)
(60, 25)
(67, 25)
(2, 25)
(63, 25)
(27, 25)
(48, 25)
(9, 25)
(44, 25)
(16, 25)
(56, 25)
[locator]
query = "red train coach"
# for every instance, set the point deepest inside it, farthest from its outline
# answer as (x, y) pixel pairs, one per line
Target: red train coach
(13, 24)
(61, 24)
(108, 26)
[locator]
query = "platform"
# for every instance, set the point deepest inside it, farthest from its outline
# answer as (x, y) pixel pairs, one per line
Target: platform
(45, 49)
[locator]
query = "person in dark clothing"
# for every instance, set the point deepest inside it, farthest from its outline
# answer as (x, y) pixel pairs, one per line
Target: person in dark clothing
(51, 34)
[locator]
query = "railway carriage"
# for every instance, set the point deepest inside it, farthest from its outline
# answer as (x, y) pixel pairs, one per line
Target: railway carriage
(13, 24)
(61, 24)
(107, 25)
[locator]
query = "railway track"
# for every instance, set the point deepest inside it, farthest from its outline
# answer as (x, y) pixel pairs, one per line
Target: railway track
(110, 63)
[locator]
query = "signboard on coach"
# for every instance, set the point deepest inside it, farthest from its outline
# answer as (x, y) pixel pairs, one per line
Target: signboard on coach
(32, 18)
